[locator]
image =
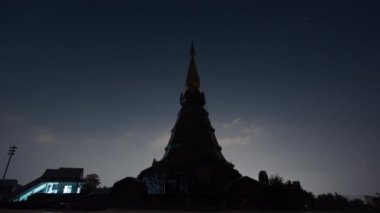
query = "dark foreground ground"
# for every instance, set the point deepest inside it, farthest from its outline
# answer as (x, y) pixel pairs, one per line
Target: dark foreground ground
(134, 211)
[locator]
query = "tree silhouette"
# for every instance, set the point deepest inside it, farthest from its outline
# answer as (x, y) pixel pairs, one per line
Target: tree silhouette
(91, 182)
(263, 178)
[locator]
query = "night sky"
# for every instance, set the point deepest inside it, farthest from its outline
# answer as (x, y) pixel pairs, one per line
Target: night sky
(292, 87)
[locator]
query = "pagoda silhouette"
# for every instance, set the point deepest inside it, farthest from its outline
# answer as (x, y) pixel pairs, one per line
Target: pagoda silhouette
(193, 162)
(193, 166)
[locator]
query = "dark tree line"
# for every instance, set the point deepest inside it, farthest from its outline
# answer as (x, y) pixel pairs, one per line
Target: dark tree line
(287, 195)
(337, 202)
(275, 194)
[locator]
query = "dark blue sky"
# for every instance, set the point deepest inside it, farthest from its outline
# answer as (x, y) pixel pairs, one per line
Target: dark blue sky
(292, 86)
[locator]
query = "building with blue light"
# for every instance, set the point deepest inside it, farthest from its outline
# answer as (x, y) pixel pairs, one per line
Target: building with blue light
(53, 181)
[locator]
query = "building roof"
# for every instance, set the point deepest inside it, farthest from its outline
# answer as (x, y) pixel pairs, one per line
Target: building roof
(8, 182)
(8, 186)
(64, 173)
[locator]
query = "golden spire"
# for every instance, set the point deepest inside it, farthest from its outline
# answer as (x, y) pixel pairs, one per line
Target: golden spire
(192, 79)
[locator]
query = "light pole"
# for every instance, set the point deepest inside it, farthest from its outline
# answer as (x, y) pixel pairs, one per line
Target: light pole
(11, 152)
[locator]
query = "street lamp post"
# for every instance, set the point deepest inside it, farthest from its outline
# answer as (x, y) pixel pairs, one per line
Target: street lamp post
(11, 152)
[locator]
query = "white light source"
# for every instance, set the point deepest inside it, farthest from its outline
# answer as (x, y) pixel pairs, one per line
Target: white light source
(67, 189)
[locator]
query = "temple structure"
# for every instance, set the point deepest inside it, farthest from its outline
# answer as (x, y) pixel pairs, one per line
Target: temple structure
(193, 163)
